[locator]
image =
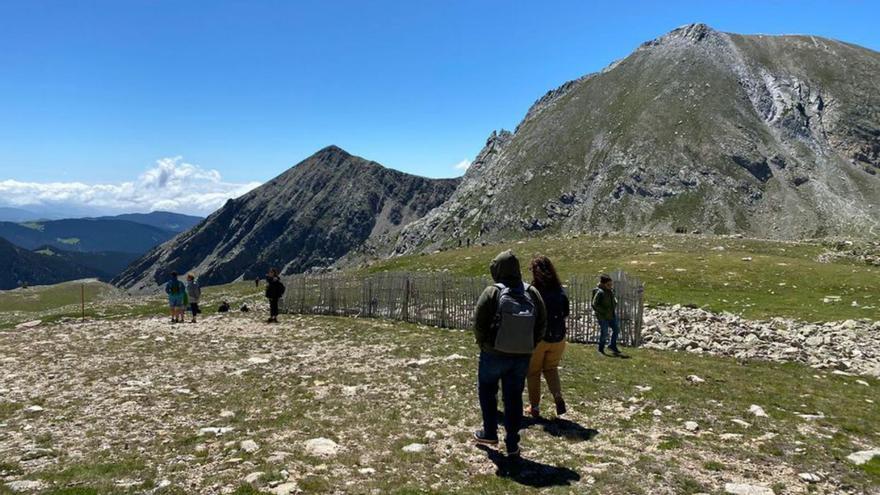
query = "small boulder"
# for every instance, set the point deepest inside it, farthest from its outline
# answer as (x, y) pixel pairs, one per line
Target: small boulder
(746, 489)
(691, 426)
(414, 448)
(863, 456)
(757, 411)
(322, 447)
(249, 446)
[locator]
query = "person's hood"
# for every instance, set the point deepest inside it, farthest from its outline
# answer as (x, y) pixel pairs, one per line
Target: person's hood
(505, 269)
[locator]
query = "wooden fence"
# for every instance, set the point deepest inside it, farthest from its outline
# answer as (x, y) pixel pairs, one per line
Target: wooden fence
(447, 301)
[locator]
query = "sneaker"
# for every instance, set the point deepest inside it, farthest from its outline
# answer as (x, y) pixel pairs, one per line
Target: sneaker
(560, 407)
(533, 411)
(481, 438)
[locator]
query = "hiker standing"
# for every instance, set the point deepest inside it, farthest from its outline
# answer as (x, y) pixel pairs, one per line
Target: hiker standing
(604, 304)
(176, 292)
(194, 293)
(509, 321)
(548, 352)
(274, 291)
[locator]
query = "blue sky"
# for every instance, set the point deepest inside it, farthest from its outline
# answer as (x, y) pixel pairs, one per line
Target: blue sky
(98, 91)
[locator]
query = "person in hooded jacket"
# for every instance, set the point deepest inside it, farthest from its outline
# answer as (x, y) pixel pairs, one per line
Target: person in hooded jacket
(548, 352)
(508, 368)
(274, 291)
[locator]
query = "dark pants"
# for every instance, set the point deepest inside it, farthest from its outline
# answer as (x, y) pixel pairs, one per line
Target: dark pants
(511, 372)
(273, 307)
(603, 333)
(194, 309)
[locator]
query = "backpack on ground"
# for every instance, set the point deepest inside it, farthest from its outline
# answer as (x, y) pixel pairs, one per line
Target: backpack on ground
(515, 320)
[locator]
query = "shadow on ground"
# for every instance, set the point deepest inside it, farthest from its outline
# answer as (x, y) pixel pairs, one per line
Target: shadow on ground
(564, 428)
(528, 472)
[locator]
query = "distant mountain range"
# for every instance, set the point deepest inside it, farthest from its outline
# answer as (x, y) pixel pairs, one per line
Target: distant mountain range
(18, 266)
(90, 247)
(311, 215)
(174, 222)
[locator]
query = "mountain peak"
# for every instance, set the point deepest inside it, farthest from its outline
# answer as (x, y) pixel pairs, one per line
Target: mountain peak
(689, 33)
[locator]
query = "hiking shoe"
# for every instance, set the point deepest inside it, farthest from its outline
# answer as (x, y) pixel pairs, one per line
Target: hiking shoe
(481, 438)
(560, 407)
(533, 411)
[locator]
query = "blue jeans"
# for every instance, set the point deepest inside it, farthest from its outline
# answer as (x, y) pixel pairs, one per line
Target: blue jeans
(511, 372)
(603, 333)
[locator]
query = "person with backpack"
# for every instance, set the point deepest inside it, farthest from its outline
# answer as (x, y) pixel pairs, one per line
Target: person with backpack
(193, 293)
(604, 305)
(509, 321)
(176, 292)
(274, 291)
(549, 350)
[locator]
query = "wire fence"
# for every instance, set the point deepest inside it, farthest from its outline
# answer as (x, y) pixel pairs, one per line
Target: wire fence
(448, 301)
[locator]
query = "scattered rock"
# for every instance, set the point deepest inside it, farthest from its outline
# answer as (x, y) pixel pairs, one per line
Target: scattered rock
(33, 409)
(28, 324)
(227, 414)
(454, 357)
(288, 488)
(863, 456)
(691, 426)
(810, 477)
(744, 424)
(249, 446)
(851, 345)
(215, 430)
(321, 447)
(757, 411)
(25, 485)
(415, 448)
(253, 477)
(745, 489)
(258, 360)
(695, 379)
(367, 471)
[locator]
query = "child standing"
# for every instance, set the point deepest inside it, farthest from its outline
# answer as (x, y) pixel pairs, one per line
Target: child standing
(176, 292)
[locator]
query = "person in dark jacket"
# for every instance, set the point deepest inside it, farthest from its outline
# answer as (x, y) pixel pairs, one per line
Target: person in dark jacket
(508, 368)
(604, 305)
(274, 291)
(548, 352)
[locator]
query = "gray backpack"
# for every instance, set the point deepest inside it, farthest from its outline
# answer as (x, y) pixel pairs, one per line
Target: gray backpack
(515, 319)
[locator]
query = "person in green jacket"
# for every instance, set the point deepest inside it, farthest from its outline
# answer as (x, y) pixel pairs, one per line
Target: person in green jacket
(604, 304)
(509, 321)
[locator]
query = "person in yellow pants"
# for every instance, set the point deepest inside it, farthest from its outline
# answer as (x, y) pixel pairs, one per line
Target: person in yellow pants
(548, 353)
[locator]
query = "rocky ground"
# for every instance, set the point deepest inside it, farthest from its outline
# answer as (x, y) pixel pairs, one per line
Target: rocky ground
(850, 346)
(333, 405)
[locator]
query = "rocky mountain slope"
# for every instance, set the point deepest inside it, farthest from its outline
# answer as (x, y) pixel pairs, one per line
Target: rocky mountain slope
(19, 266)
(307, 217)
(771, 136)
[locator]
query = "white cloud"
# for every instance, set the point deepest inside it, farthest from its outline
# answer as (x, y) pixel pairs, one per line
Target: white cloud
(462, 165)
(171, 184)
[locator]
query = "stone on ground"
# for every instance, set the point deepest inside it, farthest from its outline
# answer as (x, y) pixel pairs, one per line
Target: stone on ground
(746, 489)
(863, 456)
(322, 447)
